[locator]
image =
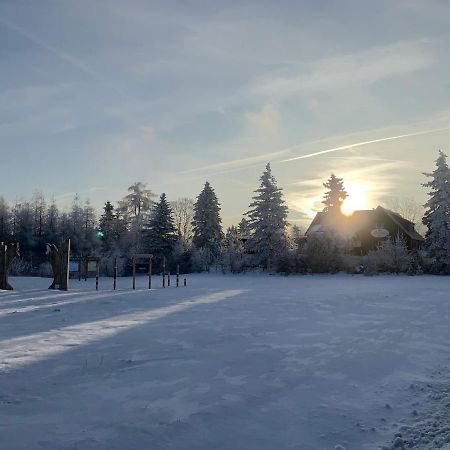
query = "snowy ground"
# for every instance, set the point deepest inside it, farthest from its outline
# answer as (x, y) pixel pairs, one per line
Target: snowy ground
(229, 362)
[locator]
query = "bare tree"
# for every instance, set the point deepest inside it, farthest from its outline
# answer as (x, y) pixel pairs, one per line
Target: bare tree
(183, 213)
(408, 208)
(39, 207)
(5, 219)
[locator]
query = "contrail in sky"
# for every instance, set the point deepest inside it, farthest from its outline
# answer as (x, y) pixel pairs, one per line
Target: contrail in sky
(67, 57)
(242, 163)
(361, 144)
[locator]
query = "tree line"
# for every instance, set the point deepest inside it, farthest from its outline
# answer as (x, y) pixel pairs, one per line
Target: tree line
(190, 233)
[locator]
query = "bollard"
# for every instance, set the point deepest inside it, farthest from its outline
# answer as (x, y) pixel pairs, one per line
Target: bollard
(185, 282)
(97, 275)
(115, 272)
(150, 273)
(178, 275)
(164, 272)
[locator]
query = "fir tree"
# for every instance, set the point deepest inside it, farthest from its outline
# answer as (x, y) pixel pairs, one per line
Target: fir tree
(107, 226)
(160, 236)
(437, 215)
(335, 195)
(267, 220)
(243, 228)
(206, 224)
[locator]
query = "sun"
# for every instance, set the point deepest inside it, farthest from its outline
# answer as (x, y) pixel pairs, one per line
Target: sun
(356, 200)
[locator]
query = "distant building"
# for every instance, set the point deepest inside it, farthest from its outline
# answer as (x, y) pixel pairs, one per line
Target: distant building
(368, 228)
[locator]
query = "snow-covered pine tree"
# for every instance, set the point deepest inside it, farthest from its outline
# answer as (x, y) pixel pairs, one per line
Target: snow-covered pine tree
(244, 229)
(160, 235)
(107, 226)
(335, 195)
(437, 215)
(267, 220)
(207, 224)
(295, 238)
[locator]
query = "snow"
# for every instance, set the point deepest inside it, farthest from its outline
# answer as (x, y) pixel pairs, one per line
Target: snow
(229, 362)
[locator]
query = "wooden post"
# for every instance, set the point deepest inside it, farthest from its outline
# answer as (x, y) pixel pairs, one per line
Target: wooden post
(7, 255)
(178, 275)
(150, 273)
(86, 267)
(168, 279)
(164, 271)
(97, 275)
(3, 264)
(80, 262)
(114, 272)
(65, 261)
(134, 273)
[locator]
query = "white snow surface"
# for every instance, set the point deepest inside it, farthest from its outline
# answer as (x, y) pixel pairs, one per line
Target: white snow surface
(228, 362)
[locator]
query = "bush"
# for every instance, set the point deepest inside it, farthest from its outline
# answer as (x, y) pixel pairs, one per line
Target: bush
(20, 266)
(201, 259)
(325, 252)
(392, 256)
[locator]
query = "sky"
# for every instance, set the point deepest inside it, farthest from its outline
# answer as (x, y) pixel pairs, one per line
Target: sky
(95, 95)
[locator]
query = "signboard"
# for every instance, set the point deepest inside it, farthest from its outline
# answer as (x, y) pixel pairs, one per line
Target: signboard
(73, 266)
(92, 266)
(380, 233)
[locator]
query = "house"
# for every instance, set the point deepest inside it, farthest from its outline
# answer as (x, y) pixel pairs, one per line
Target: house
(367, 228)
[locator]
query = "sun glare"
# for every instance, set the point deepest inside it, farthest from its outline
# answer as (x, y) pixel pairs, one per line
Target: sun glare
(356, 200)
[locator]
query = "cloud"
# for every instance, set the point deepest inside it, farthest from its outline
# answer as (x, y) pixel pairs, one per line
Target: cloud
(267, 120)
(350, 70)
(260, 126)
(235, 164)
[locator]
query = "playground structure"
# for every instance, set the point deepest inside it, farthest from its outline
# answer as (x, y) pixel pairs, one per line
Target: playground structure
(59, 260)
(7, 255)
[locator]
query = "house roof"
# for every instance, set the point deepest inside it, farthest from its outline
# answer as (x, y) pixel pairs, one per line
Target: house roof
(359, 220)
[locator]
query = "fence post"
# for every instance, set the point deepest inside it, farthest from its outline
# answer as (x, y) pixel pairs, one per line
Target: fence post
(134, 273)
(178, 275)
(114, 272)
(97, 275)
(150, 273)
(164, 271)
(65, 261)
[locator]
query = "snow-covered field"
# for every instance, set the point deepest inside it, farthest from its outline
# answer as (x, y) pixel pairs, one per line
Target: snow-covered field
(229, 362)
